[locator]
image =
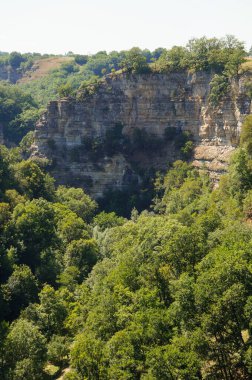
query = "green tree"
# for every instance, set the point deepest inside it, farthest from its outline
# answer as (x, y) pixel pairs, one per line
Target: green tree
(50, 313)
(77, 201)
(15, 59)
(33, 181)
(81, 59)
(69, 225)
(175, 361)
(86, 355)
(108, 220)
(20, 289)
(26, 361)
(33, 230)
(18, 112)
(81, 254)
(58, 350)
(246, 135)
(135, 61)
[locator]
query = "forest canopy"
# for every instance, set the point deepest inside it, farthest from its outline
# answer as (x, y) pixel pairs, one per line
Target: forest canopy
(165, 294)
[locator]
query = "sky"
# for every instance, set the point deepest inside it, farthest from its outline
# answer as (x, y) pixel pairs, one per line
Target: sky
(88, 26)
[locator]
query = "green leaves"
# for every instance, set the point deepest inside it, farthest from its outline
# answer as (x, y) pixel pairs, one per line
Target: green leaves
(77, 201)
(28, 357)
(18, 112)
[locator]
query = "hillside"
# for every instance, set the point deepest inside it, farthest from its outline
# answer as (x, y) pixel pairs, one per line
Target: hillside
(43, 67)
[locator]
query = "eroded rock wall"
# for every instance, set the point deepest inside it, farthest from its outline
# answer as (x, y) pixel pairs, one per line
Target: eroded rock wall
(150, 102)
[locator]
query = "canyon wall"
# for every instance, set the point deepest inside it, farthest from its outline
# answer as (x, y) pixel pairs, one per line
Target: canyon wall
(160, 107)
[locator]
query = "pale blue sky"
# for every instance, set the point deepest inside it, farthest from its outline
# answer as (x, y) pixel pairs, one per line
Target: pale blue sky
(87, 26)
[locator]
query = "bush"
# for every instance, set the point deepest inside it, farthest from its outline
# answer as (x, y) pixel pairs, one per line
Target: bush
(219, 86)
(246, 135)
(81, 59)
(15, 59)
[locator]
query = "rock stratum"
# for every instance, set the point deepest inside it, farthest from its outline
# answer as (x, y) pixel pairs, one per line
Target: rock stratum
(110, 136)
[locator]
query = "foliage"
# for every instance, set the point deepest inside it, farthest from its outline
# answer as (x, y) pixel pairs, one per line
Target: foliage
(77, 201)
(135, 62)
(163, 294)
(27, 359)
(205, 54)
(15, 59)
(33, 181)
(81, 59)
(20, 289)
(246, 135)
(219, 86)
(108, 220)
(18, 112)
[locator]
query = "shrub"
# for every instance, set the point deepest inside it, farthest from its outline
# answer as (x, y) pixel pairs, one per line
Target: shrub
(219, 86)
(81, 59)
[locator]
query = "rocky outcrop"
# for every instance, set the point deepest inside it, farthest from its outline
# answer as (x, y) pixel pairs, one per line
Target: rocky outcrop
(7, 73)
(73, 132)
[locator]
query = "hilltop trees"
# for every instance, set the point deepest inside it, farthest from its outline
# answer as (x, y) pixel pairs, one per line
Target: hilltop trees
(205, 54)
(135, 62)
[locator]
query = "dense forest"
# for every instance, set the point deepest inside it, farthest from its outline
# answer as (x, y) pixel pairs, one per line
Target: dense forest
(163, 294)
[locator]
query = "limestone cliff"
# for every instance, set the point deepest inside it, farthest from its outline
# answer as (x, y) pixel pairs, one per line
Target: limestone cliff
(73, 131)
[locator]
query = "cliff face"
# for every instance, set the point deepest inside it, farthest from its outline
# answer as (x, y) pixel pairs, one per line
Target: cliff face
(9, 74)
(159, 107)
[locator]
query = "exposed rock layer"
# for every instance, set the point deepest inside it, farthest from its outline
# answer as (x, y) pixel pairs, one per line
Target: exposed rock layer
(150, 102)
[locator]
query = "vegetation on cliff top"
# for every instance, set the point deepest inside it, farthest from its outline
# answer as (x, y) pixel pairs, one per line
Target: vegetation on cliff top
(81, 74)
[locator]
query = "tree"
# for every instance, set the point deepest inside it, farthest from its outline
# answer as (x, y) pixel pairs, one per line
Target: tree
(81, 59)
(15, 59)
(221, 293)
(69, 225)
(177, 360)
(77, 201)
(135, 62)
(219, 86)
(50, 313)
(20, 289)
(65, 90)
(33, 230)
(58, 350)
(33, 181)
(27, 359)
(6, 176)
(81, 254)
(4, 327)
(247, 204)
(18, 112)
(240, 175)
(173, 59)
(246, 135)
(107, 220)
(86, 355)
(23, 123)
